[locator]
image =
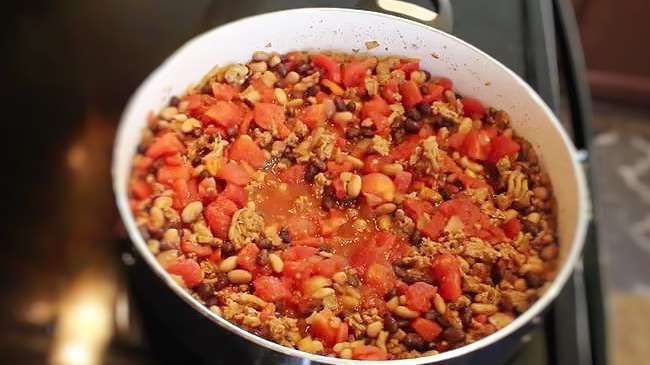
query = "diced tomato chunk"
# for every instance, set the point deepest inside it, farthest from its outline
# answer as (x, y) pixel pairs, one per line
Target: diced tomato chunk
(375, 107)
(408, 67)
(302, 227)
(327, 63)
(245, 149)
(265, 92)
(477, 145)
(434, 227)
(189, 270)
(389, 91)
(446, 271)
(354, 73)
(140, 188)
(167, 144)
(427, 329)
(419, 296)
(321, 327)
(168, 174)
(271, 289)
(368, 352)
(269, 116)
(411, 95)
(294, 253)
(208, 189)
(443, 81)
(375, 163)
(473, 108)
(434, 93)
(329, 266)
(511, 228)
(185, 191)
(294, 174)
(416, 208)
(502, 146)
(336, 168)
(342, 334)
(218, 215)
(246, 258)
(223, 91)
(189, 247)
(402, 181)
(313, 115)
(233, 173)
(456, 140)
(235, 193)
(225, 113)
(380, 277)
(331, 224)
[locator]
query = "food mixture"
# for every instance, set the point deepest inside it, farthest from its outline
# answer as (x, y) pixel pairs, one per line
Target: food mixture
(345, 205)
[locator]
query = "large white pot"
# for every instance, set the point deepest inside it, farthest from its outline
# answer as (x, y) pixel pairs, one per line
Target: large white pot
(472, 71)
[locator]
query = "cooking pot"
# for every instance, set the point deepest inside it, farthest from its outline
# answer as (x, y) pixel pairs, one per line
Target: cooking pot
(473, 73)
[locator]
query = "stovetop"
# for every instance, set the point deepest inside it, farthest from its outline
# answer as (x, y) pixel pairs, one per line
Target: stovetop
(63, 274)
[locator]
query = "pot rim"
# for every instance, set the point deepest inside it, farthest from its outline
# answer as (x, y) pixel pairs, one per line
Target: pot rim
(535, 309)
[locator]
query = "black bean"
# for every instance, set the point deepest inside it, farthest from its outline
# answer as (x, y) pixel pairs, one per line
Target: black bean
(424, 90)
(353, 280)
(174, 101)
(351, 106)
(206, 89)
(413, 113)
(399, 135)
(264, 243)
(262, 257)
(390, 323)
(352, 133)
(249, 103)
(427, 75)
(367, 132)
(329, 198)
(413, 341)
(232, 131)
(534, 280)
(416, 238)
(431, 315)
(389, 294)
(412, 126)
(204, 290)
(425, 109)
(312, 91)
(340, 104)
(210, 139)
(284, 234)
(452, 334)
(465, 314)
(227, 248)
(221, 281)
(403, 323)
(311, 171)
(212, 301)
(304, 69)
(204, 174)
(281, 69)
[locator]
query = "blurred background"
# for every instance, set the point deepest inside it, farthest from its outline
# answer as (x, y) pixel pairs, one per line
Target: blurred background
(66, 293)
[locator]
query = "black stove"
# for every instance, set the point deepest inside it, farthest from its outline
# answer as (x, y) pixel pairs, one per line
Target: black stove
(108, 50)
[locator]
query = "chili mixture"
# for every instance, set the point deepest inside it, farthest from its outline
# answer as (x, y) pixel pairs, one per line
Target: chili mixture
(345, 205)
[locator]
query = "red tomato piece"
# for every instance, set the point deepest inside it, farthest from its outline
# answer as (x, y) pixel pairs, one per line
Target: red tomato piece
(502, 146)
(402, 181)
(411, 95)
(223, 91)
(189, 247)
(374, 163)
(368, 352)
(302, 227)
(225, 113)
(294, 253)
(511, 228)
(427, 329)
(434, 93)
(322, 328)
(342, 335)
(218, 215)
(477, 145)
(269, 116)
(416, 208)
(247, 256)
(380, 277)
(473, 108)
(235, 193)
(419, 295)
(271, 289)
(376, 107)
(139, 188)
(185, 191)
(353, 73)
(266, 93)
(335, 220)
(408, 67)
(294, 174)
(208, 189)
(233, 173)
(329, 65)
(168, 174)
(444, 82)
(456, 140)
(329, 267)
(188, 270)
(433, 228)
(405, 149)
(245, 149)
(446, 271)
(336, 168)
(339, 189)
(198, 104)
(389, 91)
(313, 115)
(167, 144)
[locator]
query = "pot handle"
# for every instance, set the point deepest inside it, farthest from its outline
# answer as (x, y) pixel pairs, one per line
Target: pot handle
(440, 17)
